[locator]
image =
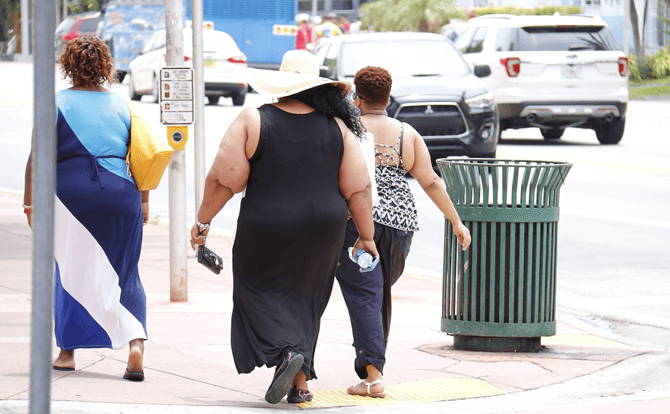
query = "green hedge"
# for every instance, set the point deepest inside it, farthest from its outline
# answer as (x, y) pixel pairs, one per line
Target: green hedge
(650, 67)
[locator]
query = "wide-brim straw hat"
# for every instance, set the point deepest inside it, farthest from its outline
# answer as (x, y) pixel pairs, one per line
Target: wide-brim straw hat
(298, 72)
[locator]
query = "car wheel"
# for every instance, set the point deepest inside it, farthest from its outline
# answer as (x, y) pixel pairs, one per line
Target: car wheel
(611, 132)
(489, 155)
(155, 93)
(213, 99)
(238, 99)
(120, 76)
(131, 90)
(554, 133)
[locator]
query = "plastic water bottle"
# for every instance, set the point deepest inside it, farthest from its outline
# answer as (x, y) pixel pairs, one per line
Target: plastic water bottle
(363, 259)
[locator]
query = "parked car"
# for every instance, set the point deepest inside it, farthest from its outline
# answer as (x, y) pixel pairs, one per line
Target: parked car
(433, 89)
(76, 25)
(224, 66)
(552, 72)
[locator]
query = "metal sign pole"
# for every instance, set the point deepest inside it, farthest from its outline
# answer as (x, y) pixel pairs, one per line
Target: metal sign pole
(199, 98)
(44, 188)
(174, 27)
(25, 36)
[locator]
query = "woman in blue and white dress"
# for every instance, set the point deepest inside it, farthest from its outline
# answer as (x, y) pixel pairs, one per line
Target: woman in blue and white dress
(99, 213)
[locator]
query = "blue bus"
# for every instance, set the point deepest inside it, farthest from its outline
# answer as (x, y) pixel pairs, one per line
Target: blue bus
(253, 23)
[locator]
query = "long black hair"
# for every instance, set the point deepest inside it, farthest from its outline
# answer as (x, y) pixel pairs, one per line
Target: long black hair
(331, 101)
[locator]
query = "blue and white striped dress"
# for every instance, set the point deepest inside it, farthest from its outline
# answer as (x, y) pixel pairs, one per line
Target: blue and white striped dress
(99, 299)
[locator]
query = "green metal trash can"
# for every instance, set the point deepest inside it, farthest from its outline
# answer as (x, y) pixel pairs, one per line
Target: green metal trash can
(500, 294)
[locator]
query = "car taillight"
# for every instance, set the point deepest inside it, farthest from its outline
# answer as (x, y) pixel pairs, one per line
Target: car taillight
(238, 59)
(186, 58)
(623, 66)
(512, 66)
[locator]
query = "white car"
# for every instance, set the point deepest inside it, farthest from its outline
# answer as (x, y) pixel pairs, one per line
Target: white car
(551, 72)
(224, 66)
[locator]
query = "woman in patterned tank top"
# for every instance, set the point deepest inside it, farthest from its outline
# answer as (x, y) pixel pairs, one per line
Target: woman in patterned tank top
(399, 150)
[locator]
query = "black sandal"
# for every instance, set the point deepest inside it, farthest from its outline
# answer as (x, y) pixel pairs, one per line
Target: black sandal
(281, 383)
(297, 396)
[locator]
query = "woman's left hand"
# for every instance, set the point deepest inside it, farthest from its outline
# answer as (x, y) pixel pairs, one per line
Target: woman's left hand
(145, 213)
(463, 235)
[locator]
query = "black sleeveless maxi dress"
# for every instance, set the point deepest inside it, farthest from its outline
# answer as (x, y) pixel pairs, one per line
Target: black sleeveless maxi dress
(289, 233)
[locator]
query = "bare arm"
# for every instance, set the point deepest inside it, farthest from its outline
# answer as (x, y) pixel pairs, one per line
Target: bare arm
(28, 186)
(433, 185)
(230, 171)
(145, 207)
(355, 188)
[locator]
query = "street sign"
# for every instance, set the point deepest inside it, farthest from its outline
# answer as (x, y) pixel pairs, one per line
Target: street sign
(176, 95)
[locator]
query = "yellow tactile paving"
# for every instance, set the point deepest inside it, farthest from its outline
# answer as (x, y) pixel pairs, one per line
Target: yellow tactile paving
(428, 390)
(581, 339)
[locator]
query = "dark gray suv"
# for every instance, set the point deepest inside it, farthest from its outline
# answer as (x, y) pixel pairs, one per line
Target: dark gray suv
(434, 90)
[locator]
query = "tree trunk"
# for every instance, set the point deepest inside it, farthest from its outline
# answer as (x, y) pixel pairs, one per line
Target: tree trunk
(636, 28)
(644, 28)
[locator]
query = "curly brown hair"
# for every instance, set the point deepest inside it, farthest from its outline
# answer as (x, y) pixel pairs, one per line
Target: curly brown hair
(87, 62)
(373, 85)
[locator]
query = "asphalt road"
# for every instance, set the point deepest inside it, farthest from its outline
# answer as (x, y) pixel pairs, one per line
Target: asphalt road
(613, 254)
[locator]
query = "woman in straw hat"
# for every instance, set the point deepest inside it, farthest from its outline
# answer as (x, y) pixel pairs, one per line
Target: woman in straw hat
(302, 169)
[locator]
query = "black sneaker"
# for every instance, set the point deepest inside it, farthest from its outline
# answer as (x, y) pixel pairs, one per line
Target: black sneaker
(281, 383)
(296, 396)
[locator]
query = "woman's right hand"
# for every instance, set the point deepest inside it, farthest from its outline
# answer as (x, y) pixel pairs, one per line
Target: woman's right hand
(197, 237)
(29, 216)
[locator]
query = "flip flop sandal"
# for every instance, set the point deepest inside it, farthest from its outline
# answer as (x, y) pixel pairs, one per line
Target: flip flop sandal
(298, 396)
(134, 375)
(281, 383)
(368, 393)
(62, 368)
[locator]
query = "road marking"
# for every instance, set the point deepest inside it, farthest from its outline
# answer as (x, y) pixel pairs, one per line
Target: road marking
(507, 153)
(617, 218)
(14, 142)
(17, 103)
(15, 340)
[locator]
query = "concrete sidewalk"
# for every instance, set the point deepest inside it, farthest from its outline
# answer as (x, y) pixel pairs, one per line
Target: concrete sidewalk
(189, 366)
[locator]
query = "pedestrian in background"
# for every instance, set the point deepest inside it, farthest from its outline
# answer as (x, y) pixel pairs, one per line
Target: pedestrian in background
(301, 168)
(399, 150)
(99, 212)
(328, 28)
(303, 38)
(344, 24)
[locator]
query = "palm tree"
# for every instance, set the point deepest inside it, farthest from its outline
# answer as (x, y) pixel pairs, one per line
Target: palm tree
(415, 15)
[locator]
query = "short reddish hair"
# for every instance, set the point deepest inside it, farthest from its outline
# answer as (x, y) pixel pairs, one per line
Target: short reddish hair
(87, 62)
(373, 84)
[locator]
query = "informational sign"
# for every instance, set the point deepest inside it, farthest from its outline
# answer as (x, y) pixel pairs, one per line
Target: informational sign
(284, 30)
(176, 95)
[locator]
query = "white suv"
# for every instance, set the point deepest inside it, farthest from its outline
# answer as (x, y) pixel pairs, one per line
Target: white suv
(551, 72)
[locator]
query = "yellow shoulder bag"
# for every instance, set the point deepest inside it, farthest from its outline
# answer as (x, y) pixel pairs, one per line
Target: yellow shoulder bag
(148, 155)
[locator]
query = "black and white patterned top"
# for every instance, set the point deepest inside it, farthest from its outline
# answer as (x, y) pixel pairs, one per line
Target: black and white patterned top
(396, 202)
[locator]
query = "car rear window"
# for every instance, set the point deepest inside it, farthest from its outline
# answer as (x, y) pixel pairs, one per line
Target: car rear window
(555, 38)
(405, 57)
(89, 25)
